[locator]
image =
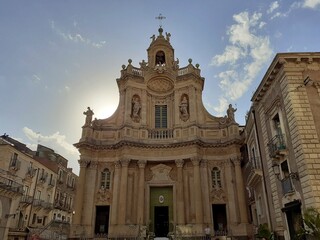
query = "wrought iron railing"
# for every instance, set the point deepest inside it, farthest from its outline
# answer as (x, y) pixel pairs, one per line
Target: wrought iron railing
(14, 164)
(276, 144)
(10, 185)
(287, 186)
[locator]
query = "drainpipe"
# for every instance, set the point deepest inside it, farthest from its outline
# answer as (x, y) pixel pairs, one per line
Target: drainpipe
(34, 193)
(262, 165)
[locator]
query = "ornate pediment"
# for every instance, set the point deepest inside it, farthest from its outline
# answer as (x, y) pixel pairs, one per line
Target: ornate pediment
(161, 172)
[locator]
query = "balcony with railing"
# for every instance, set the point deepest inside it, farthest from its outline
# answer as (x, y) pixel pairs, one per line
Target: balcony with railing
(161, 133)
(47, 205)
(25, 200)
(14, 164)
(287, 185)
(51, 183)
(253, 171)
(277, 146)
(31, 172)
(37, 203)
(8, 186)
(43, 178)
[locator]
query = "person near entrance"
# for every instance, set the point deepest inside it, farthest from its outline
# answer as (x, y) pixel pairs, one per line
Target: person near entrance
(207, 232)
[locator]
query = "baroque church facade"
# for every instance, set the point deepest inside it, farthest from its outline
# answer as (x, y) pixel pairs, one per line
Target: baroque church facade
(161, 164)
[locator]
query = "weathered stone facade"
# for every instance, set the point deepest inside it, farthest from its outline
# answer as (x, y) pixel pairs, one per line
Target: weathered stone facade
(161, 164)
(282, 132)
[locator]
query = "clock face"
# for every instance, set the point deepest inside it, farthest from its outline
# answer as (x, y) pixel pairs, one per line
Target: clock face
(161, 199)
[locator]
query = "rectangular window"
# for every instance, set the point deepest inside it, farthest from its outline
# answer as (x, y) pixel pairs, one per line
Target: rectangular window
(161, 116)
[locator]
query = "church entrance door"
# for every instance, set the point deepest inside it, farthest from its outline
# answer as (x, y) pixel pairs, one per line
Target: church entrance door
(161, 210)
(161, 221)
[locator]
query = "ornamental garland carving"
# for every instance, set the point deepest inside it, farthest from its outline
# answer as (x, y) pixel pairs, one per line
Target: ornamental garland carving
(104, 195)
(160, 85)
(218, 195)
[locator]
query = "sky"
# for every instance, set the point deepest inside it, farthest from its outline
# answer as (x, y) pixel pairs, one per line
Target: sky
(59, 57)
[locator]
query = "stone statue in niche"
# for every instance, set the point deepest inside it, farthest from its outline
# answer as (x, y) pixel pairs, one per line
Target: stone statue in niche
(184, 107)
(230, 113)
(136, 108)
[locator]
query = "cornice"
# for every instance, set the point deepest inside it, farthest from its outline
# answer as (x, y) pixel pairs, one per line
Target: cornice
(126, 143)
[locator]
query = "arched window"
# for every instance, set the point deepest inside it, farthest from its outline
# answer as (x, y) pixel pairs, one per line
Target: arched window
(105, 179)
(216, 178)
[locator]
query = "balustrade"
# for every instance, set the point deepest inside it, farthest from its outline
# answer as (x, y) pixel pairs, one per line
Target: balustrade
(160, 133)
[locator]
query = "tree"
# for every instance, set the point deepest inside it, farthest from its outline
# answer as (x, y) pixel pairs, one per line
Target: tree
(311, 219)
(264, 232)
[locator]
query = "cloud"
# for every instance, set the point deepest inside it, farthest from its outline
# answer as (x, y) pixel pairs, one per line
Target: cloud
(53, 141)
(311, 3)
(244, 56)
(273, 6)
(76, 37)
(35, 78)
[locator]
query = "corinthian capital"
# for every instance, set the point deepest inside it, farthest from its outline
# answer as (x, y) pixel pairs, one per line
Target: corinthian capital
(195, 161)
(83, 163)
(179, 163)
(142, 163)
(125, 162)
(204, 163)
(93, 165)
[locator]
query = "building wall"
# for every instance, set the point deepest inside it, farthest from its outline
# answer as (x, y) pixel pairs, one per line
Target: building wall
(285, 105)
(141, 155)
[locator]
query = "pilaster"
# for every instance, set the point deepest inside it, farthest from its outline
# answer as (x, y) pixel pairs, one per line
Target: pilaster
(140, 210)
(197, 190)
(123, 191)
(180, 200)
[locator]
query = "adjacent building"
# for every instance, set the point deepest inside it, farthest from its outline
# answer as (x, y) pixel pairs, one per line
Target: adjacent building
(282, 148)
(36, 192)
(161, 164)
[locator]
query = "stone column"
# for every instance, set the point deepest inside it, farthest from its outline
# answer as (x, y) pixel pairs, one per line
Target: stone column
(240, 192)
(205, 190)
(115, 193)
(197, 190)
(80, 192)
(233, 215)
(140, 209)
(123, 191)
(180, 200)
(87, 217)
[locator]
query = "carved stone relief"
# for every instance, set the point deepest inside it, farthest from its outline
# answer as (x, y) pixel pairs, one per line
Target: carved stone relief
(218, 195)
(160, 85)
(136, 108)
(184, 107)
(104, 195)
(160, 173)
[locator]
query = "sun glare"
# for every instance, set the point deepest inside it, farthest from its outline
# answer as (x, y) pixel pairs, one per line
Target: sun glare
(104, 111)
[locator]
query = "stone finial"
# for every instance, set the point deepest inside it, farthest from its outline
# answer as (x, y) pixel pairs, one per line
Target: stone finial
(190, 60)
(129, 61)
(197, 65)
(123, 66)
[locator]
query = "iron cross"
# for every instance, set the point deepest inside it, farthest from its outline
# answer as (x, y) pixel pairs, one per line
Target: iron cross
(160, 17)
